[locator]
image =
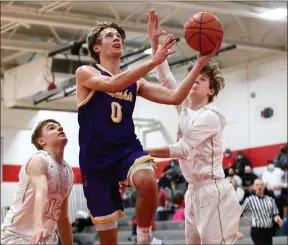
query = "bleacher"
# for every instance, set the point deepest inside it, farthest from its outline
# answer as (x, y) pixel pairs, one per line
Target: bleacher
(172, 232)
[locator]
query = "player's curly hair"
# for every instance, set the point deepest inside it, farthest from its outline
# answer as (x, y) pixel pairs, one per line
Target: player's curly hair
(217, 81)
(37, 133)
(94, 36)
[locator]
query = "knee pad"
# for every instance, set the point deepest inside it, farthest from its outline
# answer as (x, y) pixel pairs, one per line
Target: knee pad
(107, 226)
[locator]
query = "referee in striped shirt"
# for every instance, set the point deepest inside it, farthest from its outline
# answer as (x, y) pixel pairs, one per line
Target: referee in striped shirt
(263, 212)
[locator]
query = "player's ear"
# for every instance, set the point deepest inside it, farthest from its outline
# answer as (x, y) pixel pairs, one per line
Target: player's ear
(41, 142)
(96, 48)
(211, 91)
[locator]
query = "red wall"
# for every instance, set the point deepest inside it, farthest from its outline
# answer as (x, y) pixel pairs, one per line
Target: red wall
(258, 157)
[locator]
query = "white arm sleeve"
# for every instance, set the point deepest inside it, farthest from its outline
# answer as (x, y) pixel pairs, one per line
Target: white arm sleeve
(204, 126)
(167, 79)
(165, 76)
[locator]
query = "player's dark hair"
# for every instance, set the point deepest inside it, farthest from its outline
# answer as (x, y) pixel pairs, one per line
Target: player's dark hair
(95, 38)
(217, 81)
(37, 133)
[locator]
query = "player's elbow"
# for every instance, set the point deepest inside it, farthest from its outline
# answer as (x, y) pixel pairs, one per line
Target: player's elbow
(176, 100)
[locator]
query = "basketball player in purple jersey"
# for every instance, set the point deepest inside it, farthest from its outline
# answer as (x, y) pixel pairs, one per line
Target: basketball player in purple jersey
(212, 211)
(40, 204)
(109, 149)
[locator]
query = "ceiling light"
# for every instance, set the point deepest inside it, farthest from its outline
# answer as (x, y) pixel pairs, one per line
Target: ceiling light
(275, 14)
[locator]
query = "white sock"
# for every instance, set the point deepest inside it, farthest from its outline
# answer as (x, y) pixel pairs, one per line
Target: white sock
(144, 235)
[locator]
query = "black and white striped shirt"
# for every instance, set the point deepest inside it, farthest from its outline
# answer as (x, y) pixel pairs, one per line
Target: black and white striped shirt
(261, 209)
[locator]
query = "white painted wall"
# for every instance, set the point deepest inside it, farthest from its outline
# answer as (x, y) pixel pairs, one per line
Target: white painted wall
(17, 127)
(245, 128)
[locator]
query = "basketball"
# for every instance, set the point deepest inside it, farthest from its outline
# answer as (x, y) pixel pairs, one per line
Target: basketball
(203, 32)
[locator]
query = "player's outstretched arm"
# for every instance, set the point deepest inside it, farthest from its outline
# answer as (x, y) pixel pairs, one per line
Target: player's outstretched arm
(163, 95)
(164, 74)
(205, 125)
(167, 96)
(63, 224)
(37, 169)
(90, 78)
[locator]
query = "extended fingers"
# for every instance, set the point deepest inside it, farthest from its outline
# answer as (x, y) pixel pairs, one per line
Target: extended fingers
(152, 15)
(215, 50)
(171, 52)
(156, 19)
(171, 44)
(148, 18)
(168, 39)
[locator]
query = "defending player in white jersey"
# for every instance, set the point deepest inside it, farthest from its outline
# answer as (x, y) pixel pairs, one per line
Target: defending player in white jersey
(40, 204)
(212, 212)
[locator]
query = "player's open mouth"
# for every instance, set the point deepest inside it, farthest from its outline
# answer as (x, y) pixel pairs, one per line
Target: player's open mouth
(116, 46)
(62, 134)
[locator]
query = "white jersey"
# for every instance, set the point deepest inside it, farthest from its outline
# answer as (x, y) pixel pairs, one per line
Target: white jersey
(201, 132)
(20, 217)
(199, 136)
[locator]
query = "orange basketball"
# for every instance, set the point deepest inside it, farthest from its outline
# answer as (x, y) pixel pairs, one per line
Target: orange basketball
(203, 31)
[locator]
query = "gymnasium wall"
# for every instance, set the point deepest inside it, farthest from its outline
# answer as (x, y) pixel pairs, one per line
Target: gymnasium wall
(245, 128)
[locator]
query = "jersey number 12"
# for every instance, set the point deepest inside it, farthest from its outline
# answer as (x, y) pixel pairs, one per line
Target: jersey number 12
(116, 114)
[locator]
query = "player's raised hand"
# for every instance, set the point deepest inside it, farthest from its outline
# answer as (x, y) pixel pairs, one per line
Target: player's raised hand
(40, 234)
(203, 58)
(164, 50)
(152, 26)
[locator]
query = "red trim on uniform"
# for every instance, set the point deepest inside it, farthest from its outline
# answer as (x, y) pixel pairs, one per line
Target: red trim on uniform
(257, 155)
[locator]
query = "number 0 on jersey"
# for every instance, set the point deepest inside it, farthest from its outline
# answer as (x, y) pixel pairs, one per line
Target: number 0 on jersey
(116, 114)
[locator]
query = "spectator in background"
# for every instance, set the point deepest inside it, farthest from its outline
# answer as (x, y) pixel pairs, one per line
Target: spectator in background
(177, 176)
(228, 160)
(281, 159)
(272, 176)
(248, 178)
(163, 204)
(166, 178)
(281, 200)
(179, 205)
(174, 164)
(285, 177)
(173, 173)
(241, 162)
(127, 197)
(262, 218)
(81, 222)
(232, 175)
(240, 193)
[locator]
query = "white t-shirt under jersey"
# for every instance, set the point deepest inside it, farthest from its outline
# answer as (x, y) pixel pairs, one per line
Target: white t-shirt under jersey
(199, 145)
(20, 218)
